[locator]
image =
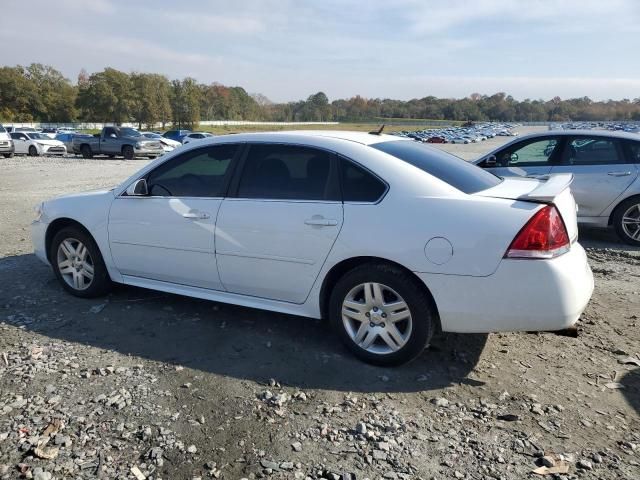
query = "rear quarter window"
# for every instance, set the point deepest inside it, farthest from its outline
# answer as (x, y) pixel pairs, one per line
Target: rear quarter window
(458, 173)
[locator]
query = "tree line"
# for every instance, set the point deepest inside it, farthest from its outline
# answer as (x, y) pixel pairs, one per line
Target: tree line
(41, 93)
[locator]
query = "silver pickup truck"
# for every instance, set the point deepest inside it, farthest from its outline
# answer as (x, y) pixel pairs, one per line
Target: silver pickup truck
(112, 141)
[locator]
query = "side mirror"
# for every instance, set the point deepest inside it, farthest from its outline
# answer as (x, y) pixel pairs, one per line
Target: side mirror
(138, 188)
(490, 161)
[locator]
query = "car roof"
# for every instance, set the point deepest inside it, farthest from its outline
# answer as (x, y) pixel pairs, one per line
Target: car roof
(363, 138)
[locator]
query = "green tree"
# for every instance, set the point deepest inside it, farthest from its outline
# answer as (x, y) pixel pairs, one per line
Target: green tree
(185, 102)
(151, 102)
(107, 96)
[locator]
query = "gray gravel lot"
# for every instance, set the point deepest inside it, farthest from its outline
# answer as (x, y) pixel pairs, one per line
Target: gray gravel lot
(143, 384)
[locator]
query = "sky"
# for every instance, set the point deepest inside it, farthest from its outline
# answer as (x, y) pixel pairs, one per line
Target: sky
(290, 49)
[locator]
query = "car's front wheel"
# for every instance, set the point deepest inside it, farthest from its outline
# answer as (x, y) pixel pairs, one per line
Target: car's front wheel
(382, 314)
(78, 264)
(33, 151)
(626, 221)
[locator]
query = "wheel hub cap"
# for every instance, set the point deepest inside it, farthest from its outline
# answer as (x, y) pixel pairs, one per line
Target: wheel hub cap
(631, 222)
(75, 264)
(376, 318)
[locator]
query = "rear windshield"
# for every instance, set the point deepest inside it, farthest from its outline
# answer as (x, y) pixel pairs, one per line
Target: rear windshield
(462, 175)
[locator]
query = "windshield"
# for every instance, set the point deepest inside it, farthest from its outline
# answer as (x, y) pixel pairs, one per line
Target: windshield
(458, 173)
(36, 136)
(2, 130)
(130, 132)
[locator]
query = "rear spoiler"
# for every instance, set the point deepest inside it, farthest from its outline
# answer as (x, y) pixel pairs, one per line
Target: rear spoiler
(550, 189)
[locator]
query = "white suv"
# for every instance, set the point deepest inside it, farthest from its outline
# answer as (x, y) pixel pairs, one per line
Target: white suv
(6, 143)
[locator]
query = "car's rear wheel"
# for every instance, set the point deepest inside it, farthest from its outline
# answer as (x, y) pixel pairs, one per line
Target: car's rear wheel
(78, 264)
(33, 151)
(86, 151)
(626, 221)
(127, 152)
(382, 314)
(7, 155)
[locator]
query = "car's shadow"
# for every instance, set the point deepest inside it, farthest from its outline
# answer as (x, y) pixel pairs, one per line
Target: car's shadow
(631, 391)
(229, 340)
(218, 338)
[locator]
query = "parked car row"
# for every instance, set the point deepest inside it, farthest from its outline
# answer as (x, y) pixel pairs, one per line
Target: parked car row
(112, 141)
(631, 127)
(470, 134)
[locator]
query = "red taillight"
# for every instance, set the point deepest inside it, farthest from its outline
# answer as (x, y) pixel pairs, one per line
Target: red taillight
(544, 236)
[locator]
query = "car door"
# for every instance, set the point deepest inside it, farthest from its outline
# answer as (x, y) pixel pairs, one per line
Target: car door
(108, 143)
(279, 222)
(20, 142)
(600, 171)
(167, 235)
(532, 157)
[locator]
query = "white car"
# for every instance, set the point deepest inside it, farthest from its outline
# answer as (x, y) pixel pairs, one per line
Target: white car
(195, 136)
(389, 239)
(35, 144)
(168, 145)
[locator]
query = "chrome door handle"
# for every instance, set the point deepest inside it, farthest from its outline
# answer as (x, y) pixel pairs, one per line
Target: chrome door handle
(321, 222)
(196, 215)
(619, 174)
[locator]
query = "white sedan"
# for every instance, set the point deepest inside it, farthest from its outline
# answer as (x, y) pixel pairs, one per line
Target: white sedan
(168, 145)
(35, 144)
(190, 137)
(389, 239)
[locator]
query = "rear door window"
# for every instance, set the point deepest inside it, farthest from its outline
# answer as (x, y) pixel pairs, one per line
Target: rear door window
(288, 172)
(464, 176)
(358, 184)
(592, 151)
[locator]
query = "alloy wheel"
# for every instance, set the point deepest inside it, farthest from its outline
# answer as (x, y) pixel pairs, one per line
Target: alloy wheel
(75, 264)
(631, 222)
(376, 318)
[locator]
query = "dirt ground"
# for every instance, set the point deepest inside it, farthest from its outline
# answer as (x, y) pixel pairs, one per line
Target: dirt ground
(143, 384)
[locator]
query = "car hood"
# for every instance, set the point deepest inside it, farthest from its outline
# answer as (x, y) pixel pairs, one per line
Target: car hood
(87, 194)
(50, 143)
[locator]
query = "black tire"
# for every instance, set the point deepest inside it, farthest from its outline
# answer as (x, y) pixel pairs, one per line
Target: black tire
(33, 151)
(111, 156)
(86, 152)
(8, 155)
(617, 218)
(423, 313)
(100, 284)
(127, 152)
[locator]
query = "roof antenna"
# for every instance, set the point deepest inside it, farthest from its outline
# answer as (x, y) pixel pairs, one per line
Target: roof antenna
(379, 132)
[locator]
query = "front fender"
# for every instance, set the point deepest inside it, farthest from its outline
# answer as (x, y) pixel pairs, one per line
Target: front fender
(91, 210)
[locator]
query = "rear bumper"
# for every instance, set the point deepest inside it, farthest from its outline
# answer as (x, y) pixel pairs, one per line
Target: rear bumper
(7, 148)
(522, 295)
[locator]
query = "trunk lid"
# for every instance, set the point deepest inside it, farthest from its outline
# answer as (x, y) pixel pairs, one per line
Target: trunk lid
(554, 191)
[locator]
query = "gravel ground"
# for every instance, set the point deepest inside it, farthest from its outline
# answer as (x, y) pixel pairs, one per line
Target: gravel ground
(142, 384)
